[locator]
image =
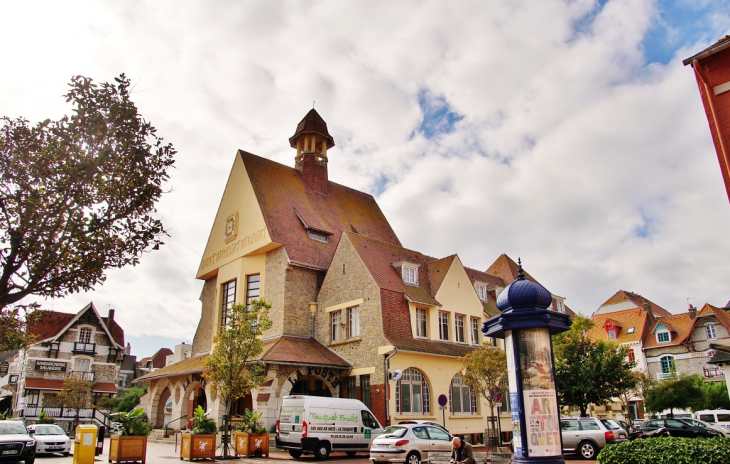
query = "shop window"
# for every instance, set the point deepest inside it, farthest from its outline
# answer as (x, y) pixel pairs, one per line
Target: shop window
(412, 394)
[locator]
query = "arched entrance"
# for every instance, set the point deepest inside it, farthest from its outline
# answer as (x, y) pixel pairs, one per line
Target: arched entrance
(193, 397)
(313, 381)
(164, 408)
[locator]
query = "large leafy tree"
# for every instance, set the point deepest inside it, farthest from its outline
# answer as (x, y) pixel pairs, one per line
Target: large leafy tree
(231, 369)
(590, 371)
(75, 395)
(715, 395)
(683, 392)
(484, 369)
(77, 195)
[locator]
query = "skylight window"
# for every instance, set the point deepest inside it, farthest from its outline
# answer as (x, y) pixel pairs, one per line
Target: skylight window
(631, 330)
(318, 236)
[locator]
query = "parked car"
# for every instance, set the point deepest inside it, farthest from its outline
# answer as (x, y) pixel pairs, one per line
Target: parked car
(678, 428)
(702, 424)
(587, 435)
(409, 443)
(50, 438)
(425, 422)
(719, 417)
(15, 443)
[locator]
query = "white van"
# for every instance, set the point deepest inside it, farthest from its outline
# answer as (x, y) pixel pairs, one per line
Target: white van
(319, 425)
(715, 417)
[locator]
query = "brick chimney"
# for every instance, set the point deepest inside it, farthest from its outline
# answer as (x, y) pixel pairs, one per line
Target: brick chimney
(692, 312)
(110, 318)
(312, 140)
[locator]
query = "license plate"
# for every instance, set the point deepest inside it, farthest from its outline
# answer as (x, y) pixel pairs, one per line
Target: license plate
(54, 448)
(10, 451)
(285, 435)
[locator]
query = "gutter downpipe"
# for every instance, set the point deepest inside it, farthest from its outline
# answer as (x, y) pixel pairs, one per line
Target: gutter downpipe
(387, 386)
(711, 99)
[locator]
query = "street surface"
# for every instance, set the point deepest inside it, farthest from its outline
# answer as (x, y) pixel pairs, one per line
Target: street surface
(160, 453)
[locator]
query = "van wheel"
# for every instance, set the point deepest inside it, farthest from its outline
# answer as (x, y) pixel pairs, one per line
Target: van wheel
(587, 450)
(413, 458)
(322, 451)
(351, 453)
(295, 454)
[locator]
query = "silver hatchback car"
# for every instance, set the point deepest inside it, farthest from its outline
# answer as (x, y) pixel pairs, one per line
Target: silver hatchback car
(587, 435)
(409, 443)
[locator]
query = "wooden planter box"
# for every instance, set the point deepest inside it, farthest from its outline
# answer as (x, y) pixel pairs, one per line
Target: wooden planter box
(197, 447)
(127, 449)
(251, 444)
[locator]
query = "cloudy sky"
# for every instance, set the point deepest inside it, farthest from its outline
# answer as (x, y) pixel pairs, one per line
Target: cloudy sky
(566, 133)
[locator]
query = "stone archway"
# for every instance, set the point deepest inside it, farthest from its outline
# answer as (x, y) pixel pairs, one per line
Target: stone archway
(194, 395)
(315, 381)
(155, 411)
(162, 414)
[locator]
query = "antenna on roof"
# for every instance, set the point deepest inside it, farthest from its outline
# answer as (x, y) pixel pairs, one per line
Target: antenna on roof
(690, 298)
(313, 103)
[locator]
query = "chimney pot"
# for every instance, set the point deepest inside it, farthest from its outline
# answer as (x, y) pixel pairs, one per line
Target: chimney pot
(111, 314)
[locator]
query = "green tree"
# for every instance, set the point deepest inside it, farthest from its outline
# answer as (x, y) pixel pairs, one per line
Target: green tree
(129, 399)
(716, 395)
(77, 195)
(76, 395)
(231, 369)
(590, 371)
(683, 392)
(484, 369)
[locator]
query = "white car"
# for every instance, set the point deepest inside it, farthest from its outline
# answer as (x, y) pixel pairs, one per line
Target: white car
(409, 443)
(50, 438)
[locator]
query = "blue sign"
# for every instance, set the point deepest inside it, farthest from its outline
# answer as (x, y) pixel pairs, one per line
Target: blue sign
(443, 400)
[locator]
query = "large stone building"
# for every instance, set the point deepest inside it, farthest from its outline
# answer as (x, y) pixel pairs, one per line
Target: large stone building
(350, 304)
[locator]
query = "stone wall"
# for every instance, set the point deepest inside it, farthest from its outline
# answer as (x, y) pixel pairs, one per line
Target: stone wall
(276, 264)
(203, 340)
(300, 289)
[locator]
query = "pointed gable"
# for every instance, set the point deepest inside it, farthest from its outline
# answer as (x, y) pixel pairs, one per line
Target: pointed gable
(505, 268)
(632, 324)
(437, 271)
(52, 324)
(623, 300)
(678, 325)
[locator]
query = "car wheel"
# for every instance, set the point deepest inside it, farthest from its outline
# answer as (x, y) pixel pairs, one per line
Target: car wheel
(30, 461)
(295, 454)
(351, 453)
(66, 454)
(413, 458)
(587, 450)
(322, 451)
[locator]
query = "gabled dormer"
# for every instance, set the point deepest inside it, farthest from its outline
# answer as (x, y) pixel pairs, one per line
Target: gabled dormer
(408, 272)
(663, 332)
(612, 328)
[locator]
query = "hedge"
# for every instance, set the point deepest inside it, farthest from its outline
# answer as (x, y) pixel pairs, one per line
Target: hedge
(668, 450)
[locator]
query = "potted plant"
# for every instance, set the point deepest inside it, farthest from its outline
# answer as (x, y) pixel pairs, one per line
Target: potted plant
(200, 442)
(44, 419)
(251, 437)
(131, 443)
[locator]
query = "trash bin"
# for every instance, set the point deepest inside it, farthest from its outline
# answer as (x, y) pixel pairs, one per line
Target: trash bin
(85, 444)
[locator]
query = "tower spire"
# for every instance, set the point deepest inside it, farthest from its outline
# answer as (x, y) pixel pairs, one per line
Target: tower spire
(312, 139)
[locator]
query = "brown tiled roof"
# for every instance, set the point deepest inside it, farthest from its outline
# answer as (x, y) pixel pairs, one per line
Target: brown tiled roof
(722, 315)
(49, 323)
(300, 350)
(312, 123)
(614, 322)
(115, 330)
(638, 300)
(492, 281)
(679, 324)
(186, 366)
(398, 332)
(379, 258)
(284, 196)
(104, 387)
(37, 383)
(437, 270)
(505, 268)
(625, 319)
(159, 359)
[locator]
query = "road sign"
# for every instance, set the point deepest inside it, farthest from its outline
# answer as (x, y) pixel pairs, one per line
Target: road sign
(496, 394)
(443, 400)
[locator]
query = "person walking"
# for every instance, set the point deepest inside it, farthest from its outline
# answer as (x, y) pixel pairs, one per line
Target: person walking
(462, 452)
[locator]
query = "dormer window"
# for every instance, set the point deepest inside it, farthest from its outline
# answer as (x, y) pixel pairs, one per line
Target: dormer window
(409, 274)
(612, 334)
(481, 291)
(711, 332)
(317, 235)
(663, 336)
(631, 330)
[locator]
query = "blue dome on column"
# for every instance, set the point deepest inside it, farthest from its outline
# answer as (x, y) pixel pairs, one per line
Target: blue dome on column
(523, 293)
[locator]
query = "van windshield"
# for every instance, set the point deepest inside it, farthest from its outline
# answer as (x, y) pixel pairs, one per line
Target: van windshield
(707, 417)
(723, 417)
(393, 432)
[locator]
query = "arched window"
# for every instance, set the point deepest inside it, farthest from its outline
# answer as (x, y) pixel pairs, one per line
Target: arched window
(412, 393)
(462, 397)
(668, 367)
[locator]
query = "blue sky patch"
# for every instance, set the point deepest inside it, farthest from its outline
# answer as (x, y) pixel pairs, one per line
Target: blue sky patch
(438, 118)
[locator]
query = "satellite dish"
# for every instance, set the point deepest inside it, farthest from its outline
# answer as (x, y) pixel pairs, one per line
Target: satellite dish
(396, 375)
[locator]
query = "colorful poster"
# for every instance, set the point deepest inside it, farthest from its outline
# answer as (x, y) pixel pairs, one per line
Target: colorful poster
(514, 403)
(538, 390)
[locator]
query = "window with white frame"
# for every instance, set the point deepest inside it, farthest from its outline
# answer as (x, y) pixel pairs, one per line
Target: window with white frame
(229, 297)
(462, 397)
(481, 291)
(711, 332)
(663, 336)
(443, 325)
(85, 335)
(668, 366)
(410, 274)
(474, 330)
(412, 393)
(459, 328)
(421, 323)
(345, 323)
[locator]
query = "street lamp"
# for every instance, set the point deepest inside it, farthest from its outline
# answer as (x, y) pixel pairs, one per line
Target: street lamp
(526, 325)
(313, 312)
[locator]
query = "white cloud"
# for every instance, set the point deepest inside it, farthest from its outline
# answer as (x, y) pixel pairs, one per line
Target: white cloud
(569, 145)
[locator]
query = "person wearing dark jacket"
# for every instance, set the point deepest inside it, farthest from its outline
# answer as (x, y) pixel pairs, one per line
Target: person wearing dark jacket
(462, 452)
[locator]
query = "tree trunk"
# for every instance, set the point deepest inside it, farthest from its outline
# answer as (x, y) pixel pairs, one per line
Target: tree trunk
(583, 409)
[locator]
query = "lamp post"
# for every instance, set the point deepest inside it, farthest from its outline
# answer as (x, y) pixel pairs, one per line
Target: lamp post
(313, 312)
(526, 325)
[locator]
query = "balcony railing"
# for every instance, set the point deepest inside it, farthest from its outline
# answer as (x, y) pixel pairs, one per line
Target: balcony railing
(82, 375)
(85, 348)
(666, 375)
(711, 372)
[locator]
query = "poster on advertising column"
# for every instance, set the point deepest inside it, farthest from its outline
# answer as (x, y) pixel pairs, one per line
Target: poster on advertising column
(538, 390)
(514, 404)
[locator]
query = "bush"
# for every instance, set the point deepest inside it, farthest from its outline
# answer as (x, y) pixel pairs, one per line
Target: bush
(672, 450)
(201, 423)
(44, 419)
(129, 399)
(134, 423)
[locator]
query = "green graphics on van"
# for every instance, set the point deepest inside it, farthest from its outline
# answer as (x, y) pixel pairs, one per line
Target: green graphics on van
(288, 412)
(367, 433)
(333, 417)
